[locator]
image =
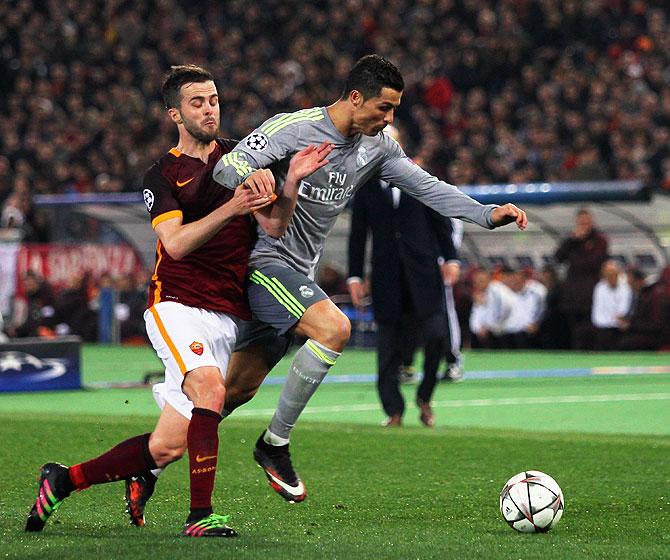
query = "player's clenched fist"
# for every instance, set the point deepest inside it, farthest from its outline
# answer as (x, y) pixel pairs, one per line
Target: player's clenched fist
(507, 214)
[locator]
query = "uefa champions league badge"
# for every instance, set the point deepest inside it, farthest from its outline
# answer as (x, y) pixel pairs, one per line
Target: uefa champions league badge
(256, 141)
(148, 199)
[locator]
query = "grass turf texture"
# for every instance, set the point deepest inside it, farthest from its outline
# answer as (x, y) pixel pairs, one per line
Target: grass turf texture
(130, 363)
(409, 493)
(373, 493)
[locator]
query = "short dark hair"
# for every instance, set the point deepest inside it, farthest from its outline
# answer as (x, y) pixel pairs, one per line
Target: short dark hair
(370, 74)
(177, 77)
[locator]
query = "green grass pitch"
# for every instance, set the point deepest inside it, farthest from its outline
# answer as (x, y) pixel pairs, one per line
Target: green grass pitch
(372, 492)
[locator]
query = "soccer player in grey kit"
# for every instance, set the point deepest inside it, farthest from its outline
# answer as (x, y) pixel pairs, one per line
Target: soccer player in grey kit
(283, 296)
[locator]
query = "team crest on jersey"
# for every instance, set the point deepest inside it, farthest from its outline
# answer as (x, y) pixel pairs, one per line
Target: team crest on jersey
(362, 157)
(257, 141)
(148, 199)
(306, 292)
(196, 347)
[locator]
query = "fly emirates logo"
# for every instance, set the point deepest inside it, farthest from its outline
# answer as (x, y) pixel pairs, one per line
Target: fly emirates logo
(336, 189)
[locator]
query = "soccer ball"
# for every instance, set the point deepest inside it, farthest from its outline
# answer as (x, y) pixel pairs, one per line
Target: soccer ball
(531, 502)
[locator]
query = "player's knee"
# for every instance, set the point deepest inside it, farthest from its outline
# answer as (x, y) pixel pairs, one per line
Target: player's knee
(338, 332)
(205, 388)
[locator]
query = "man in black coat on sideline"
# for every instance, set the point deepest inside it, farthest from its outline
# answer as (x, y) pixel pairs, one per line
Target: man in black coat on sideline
(406, 285)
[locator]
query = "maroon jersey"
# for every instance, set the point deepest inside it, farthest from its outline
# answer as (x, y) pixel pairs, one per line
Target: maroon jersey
(211, 277)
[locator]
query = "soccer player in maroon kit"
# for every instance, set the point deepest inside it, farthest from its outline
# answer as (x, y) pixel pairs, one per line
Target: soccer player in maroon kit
(196, 297)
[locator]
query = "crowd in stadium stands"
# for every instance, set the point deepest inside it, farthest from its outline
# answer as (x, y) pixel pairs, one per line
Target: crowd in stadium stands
(502, 308)
(512, 310)
(42, 311)
(496, 91)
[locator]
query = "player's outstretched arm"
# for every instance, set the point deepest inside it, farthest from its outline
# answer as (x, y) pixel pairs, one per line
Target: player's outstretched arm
(275, 219)
(181, 239)
(507, 214)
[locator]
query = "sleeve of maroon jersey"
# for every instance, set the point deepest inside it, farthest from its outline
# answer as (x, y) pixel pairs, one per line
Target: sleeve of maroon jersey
(159, 197)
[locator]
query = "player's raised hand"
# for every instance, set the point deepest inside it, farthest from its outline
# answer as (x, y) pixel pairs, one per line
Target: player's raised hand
(307, 161)
(507, 214)
(260, 182)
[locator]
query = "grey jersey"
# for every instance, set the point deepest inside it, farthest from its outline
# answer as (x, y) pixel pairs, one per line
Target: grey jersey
(325, 193)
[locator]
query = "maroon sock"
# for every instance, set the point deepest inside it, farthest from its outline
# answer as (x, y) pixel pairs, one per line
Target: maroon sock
(128, 458)
(203, 447)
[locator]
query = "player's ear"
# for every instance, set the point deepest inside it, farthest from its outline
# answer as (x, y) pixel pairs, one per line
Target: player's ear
(356, 98)
(175, 115)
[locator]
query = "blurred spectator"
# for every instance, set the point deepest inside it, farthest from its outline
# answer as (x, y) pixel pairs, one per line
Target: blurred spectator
(612, 298)
(554, 334)
(34, 313)
(584, 252)
(3, 336)
(521, 328)
(492, 305)
(643, 326)
(73, 313)
(129, 309)
(664, 296)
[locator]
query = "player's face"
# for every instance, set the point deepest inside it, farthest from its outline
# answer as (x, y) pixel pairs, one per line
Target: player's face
(200, 111)
(372, 115)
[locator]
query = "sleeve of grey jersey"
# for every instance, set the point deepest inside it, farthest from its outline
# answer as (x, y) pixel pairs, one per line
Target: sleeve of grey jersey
(442, 197)
(256, 151)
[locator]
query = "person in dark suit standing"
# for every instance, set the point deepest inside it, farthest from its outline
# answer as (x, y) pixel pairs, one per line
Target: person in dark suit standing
(406, 284)
(584, 251)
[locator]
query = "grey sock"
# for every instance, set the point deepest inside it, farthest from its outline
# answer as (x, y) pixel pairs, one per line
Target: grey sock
(310, 365)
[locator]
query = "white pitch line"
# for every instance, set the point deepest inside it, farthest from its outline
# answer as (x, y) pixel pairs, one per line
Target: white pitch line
(515, 401)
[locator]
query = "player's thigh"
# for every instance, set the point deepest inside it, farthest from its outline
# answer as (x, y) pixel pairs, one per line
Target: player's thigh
(280, 296)
(247, 370)
(187, 339)
(258, 349)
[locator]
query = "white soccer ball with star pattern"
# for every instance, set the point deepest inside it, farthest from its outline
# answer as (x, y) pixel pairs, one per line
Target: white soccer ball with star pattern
(531, 502)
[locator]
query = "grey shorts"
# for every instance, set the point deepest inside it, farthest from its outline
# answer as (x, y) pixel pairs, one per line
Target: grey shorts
(278, 297)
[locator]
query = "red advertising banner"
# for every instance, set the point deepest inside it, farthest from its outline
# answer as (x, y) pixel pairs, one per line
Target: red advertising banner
(58, 263)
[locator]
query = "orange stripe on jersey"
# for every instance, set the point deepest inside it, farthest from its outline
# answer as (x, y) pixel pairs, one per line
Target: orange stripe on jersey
(168, 340)
(167, 216)
(154, 277)
(175, 152)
